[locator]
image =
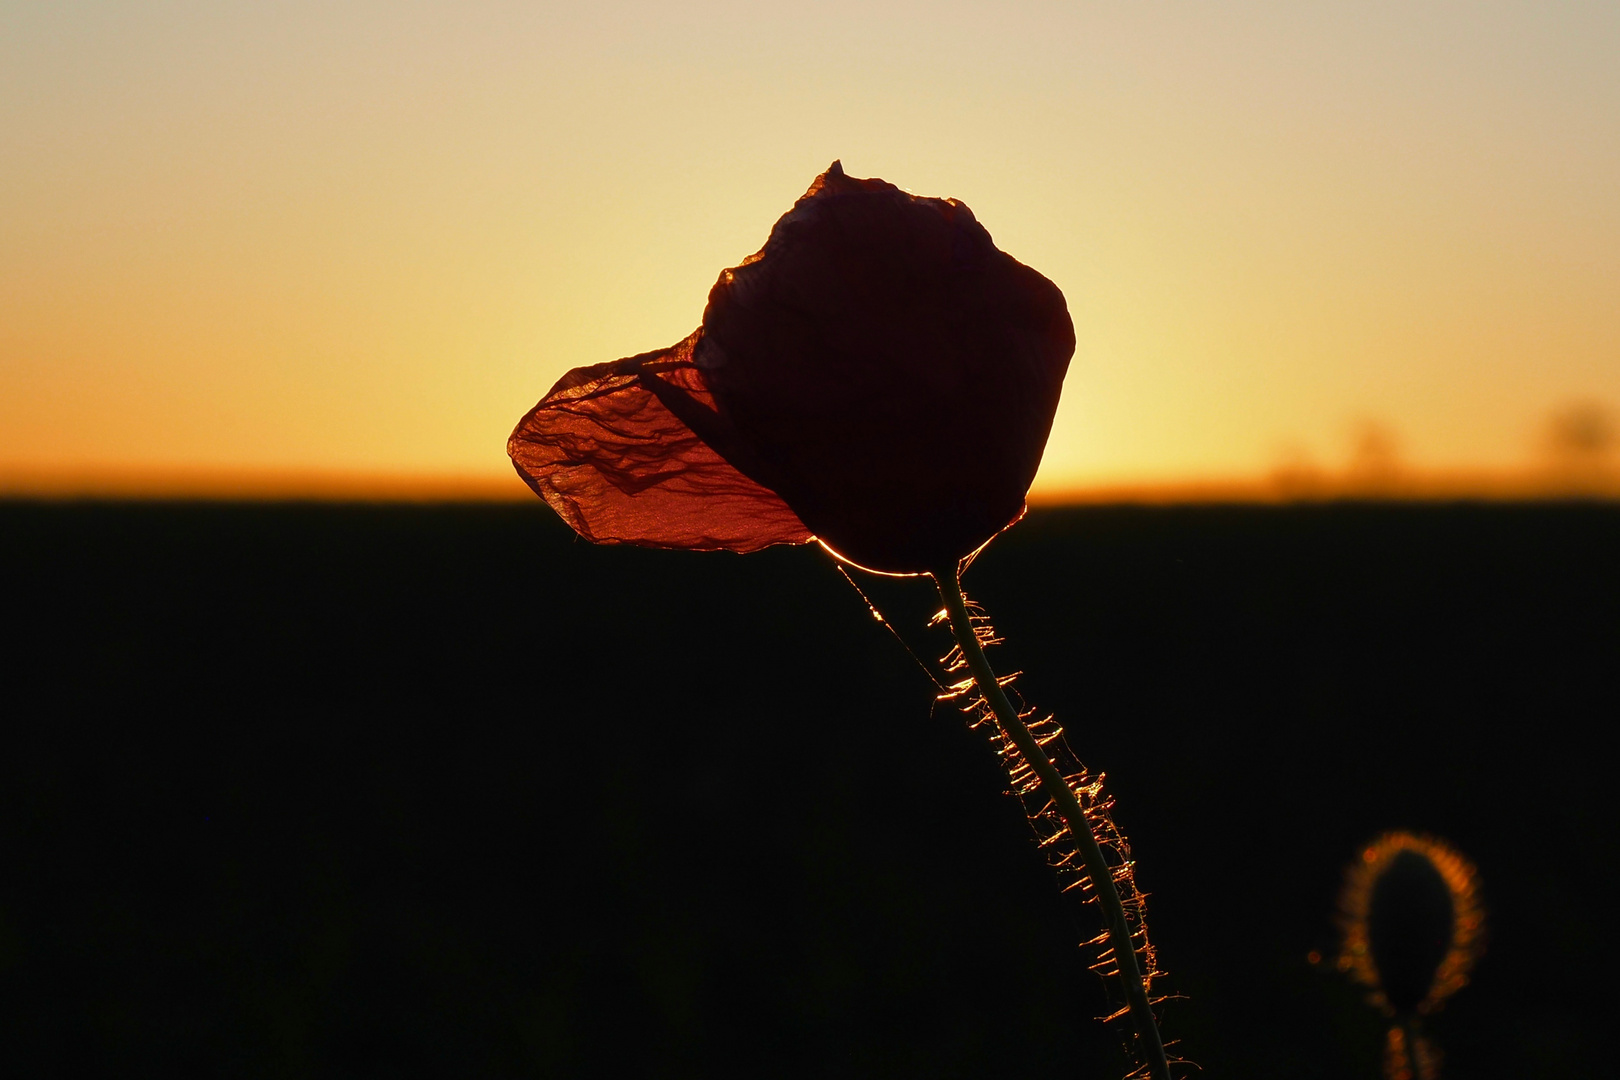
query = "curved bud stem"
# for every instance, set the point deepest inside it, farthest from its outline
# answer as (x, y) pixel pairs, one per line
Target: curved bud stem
(1074, 816)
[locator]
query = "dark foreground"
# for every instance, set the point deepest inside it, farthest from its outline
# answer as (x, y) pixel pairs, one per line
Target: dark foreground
(294, 791)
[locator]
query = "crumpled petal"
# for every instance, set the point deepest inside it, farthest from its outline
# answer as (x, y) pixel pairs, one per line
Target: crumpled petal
(605, 451)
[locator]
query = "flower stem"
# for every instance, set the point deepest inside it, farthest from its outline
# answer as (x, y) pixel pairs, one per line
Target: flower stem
(1068, 807)
(1409, 1041)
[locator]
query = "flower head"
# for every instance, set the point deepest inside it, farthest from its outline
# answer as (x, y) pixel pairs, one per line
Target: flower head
(879, 377)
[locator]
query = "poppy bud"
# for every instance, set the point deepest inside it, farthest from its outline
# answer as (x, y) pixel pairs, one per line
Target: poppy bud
(879, 376)
(1410, 927)
(1412, 922)
(1413, 928)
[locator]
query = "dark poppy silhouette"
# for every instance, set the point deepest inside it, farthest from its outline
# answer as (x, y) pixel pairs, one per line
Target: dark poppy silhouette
(878, 376)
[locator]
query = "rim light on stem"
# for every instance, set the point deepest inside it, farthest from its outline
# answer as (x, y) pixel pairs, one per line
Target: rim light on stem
(1052, 784)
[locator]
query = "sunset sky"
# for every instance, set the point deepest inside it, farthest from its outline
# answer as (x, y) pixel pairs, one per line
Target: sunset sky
(366, 237)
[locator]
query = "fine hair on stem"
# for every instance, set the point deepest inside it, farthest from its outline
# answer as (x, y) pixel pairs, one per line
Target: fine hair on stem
(1070, 816)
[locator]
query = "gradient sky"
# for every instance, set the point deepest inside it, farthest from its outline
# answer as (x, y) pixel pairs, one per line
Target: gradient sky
(369, 236)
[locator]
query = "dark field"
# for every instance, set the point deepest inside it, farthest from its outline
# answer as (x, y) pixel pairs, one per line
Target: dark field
(374, 791)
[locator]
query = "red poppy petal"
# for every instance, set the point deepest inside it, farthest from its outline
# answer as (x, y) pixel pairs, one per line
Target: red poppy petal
(611, 458)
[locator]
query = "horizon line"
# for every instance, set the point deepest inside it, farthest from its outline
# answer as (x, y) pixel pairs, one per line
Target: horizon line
(246, 484)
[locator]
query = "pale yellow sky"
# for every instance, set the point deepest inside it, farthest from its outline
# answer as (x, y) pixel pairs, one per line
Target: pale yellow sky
(368, 237)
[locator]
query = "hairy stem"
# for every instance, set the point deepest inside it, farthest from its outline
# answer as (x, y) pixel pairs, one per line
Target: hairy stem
(1068, 807)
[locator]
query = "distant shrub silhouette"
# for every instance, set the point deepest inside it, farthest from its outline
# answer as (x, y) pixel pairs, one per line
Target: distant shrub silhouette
(1580, 440)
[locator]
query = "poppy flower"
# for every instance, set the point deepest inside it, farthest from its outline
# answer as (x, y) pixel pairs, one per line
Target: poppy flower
(879, 377)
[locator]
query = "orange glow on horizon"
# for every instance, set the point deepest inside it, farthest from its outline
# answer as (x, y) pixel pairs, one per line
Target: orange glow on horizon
(334, 485)
(270, 485)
